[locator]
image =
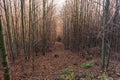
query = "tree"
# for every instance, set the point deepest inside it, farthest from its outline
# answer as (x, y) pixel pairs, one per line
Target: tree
(105, 23)
(8, 29)
(23, 26)
(5, 62)
(116, 13)
(43, 29)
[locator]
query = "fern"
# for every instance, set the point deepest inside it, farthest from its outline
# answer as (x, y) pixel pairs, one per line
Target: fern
(67, 74)
(105, 77)
(88, 64)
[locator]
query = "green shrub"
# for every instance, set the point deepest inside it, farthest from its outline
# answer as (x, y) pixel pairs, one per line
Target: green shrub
(88, 64)
(87, 74)
(105, 76)
(67, 74)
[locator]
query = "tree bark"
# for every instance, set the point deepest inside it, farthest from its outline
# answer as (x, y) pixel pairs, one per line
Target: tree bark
(5, 62)
(105, 20)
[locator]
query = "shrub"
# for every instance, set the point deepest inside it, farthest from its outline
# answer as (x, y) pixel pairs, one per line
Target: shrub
(67, 74)
(88, 64)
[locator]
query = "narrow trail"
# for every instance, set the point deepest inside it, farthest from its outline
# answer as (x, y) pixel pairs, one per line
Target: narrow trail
(59, 46)
(47, 67)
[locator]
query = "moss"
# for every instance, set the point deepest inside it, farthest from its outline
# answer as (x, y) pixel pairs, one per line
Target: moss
(3, 55)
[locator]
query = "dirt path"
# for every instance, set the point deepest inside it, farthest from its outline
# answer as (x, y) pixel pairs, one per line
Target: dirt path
(49, 67)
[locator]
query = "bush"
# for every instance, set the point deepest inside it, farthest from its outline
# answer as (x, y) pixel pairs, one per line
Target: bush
(88, 64)
(67, 74)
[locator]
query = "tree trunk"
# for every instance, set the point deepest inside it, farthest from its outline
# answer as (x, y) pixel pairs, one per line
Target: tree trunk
(23, 27)
(4, 55)
(8, 30)
(44, 29)
(105, 20)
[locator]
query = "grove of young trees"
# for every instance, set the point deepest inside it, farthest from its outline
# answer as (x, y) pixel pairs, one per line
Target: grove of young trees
(29, 23)
(28, 27)
(92, 23)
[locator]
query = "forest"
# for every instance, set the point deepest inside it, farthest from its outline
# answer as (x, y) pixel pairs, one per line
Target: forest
(59, 39)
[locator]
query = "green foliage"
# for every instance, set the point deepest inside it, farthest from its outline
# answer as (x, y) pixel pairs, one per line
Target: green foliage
(67, 74)
(88, 78)
(87, 74)
(88, 64)
(105, 76)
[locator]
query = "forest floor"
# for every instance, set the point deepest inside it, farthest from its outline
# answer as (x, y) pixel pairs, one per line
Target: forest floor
(49, 67)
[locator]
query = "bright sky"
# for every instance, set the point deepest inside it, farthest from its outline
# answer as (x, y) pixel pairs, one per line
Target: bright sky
(59, 2)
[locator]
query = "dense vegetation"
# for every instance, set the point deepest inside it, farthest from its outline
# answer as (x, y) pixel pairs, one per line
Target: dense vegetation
(29, 28)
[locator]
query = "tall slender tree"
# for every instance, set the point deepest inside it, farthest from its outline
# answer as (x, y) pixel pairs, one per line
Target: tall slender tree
(5, 62)
(44, 28)
(105, 21)
(8, 29)
(23, 26)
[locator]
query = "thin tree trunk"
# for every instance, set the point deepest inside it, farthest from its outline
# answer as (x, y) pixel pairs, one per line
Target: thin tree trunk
(23, 27)
(110, 41)
(5, 62)
(8, 30)
(43, 29)
(105, 20)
